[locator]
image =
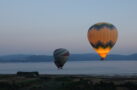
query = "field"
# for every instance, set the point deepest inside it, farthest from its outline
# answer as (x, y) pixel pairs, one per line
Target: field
(67, 82)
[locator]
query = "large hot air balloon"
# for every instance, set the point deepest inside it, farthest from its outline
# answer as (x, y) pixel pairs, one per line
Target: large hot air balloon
(60, 55)
(102, 37)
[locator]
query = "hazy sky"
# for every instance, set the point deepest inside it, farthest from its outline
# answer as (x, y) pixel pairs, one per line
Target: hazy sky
(40, 26)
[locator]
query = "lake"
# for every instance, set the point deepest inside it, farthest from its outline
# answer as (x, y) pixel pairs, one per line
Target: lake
(74, 67)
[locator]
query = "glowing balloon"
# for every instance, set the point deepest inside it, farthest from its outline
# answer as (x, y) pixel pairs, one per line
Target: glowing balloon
(102, 37)
(60, 55)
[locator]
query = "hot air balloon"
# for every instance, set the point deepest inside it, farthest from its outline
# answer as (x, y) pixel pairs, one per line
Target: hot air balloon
(60, 55)
(102, 37)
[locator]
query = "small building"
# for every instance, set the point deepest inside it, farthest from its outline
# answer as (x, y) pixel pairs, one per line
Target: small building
(27, 74)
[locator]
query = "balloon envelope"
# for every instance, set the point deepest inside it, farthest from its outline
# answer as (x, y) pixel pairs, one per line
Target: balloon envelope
(60, 55)
(102, 37)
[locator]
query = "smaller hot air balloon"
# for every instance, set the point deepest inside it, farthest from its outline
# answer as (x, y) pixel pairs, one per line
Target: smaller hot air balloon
(61, 56)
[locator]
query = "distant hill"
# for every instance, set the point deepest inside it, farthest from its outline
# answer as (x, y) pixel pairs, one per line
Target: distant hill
(91, 57)
(73, 57)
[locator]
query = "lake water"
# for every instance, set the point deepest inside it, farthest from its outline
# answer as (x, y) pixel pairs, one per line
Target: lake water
(74, 67)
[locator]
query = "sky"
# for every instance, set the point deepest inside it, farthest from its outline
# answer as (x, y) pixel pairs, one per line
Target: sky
(41, 26)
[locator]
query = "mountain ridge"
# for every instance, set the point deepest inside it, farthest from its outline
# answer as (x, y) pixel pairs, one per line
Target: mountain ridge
(73, 57)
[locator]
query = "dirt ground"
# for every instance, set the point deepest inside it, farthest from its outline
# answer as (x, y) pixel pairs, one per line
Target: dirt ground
(67, 82)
